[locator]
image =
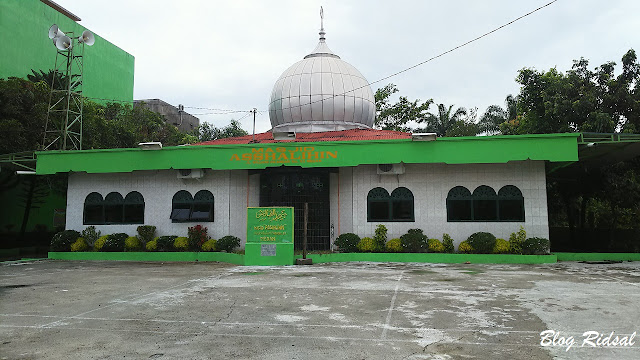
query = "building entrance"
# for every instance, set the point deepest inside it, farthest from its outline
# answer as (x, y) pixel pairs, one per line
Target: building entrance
(287, 186)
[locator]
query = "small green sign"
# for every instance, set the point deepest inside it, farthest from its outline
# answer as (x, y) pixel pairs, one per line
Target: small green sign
(269, 236)
(270, 225)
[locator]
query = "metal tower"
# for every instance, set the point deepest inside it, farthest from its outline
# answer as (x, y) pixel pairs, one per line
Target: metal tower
(63, 129)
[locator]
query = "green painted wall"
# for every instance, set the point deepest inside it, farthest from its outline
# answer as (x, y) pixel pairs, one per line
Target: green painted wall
(466, 150)
(24, 25)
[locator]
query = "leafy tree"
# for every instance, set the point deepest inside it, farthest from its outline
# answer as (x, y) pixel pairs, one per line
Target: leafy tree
(23, 111)
(53, 78)
(495, 115)
(581, 100)
(398, 116)
(444, 120)
(465, 126)
(208, 132)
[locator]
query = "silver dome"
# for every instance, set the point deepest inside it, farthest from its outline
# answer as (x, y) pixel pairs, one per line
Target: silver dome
(321, 93)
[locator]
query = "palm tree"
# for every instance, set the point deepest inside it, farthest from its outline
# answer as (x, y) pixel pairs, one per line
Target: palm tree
(444, 120)
(496, 115)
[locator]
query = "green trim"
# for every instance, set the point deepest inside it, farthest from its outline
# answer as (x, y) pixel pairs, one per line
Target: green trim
(562, 256)
(237, 259)
(464, 150)
(434, 258)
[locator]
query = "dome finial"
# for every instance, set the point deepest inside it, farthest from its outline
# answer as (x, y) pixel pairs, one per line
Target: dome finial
(321, 24)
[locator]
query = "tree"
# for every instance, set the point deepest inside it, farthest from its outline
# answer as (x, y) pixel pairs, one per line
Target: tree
(580, 100)
(398, 116)
(208, 132)
(495, 115)
(444, 120)
(23, 112)
(466, 125)
(53, 78)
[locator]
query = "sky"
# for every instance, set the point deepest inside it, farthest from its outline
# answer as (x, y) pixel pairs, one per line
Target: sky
(210, 54)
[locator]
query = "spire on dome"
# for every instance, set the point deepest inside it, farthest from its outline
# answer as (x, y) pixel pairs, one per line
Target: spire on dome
(321, 24)
(322, 49)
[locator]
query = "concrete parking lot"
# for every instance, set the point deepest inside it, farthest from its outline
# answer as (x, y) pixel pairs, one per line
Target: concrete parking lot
(116, 310)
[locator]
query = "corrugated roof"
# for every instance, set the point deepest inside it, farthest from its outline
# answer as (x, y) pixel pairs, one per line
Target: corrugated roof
(344, 135)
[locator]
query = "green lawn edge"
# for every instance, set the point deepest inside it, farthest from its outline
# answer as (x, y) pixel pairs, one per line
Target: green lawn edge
(434, 258)
(239, 259)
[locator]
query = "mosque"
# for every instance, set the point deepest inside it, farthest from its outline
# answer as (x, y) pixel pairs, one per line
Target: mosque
(322, 150)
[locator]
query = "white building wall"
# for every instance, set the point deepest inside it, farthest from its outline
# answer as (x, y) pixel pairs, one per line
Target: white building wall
(229, 189)
(430, 184)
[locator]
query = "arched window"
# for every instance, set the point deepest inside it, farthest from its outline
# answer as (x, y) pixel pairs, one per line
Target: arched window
(181, 206)
(402, 204)
(378, 205)
(93, 209)
(113, 208)
(459, 204)
(510, 204)
(485, 207)
(395, 207)
(134, 208)
(202, 206)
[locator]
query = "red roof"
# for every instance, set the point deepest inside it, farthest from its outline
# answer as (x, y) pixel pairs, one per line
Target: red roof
(344, 135)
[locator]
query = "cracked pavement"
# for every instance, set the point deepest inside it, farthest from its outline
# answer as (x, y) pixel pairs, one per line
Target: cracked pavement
(108, 310)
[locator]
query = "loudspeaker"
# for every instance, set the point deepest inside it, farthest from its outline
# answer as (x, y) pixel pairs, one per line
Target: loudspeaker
(87, 38)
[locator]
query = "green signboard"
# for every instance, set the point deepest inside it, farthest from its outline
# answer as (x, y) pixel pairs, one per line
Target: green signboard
(269, 236)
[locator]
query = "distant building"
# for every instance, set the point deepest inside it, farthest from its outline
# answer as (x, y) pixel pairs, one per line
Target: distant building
(176, 116)
(108, 70)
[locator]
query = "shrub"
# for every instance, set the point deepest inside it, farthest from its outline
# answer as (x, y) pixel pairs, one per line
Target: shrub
(482, 242)
(465, 247)
(146, 233)
(435, 246)
(132, 243)
(181, 243)
(501, 247)
(367, 244)
(516, 240)
(115, 242)
(79, 245)
(62, 241)
(209, 245)
(447, 242)
(165, 243)
(347, 242)
(228, 243)
(90, 235)
(414, 241)
(394, 245)
(197, 237)
(536, 246)
(97, 246)
(152, 245)
(380, 236)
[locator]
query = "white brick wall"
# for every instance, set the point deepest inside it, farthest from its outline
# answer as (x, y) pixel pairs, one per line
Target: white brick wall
(229, 189)
(430, 184)
(235, 190)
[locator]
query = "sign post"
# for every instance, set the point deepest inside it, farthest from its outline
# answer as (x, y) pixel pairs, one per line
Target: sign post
(269, 236)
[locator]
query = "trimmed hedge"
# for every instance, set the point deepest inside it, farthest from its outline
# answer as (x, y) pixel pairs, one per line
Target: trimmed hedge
(347, 242)
(482, 242)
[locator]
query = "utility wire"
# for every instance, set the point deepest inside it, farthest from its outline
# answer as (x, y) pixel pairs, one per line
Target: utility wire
(229, 111)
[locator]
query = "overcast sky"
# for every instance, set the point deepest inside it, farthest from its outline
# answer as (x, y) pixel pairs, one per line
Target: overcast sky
(229, 54)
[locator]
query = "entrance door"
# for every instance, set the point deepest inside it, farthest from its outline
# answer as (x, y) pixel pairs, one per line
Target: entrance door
(287, 186)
